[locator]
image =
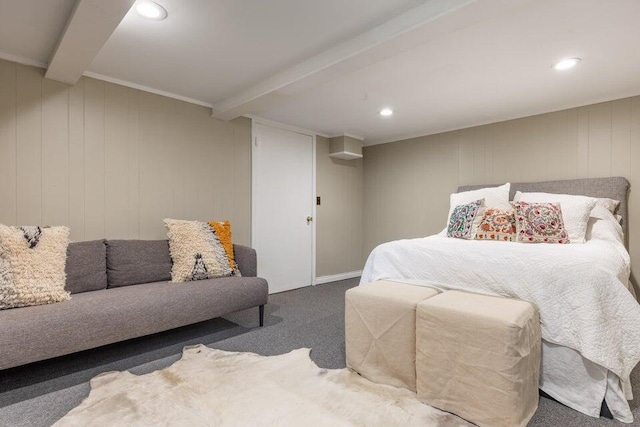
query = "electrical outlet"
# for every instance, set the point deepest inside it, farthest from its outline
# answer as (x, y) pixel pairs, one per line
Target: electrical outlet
(318, 200)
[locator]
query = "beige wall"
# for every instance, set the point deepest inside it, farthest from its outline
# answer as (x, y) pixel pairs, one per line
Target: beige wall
(407, 183)
(111, 161)
(339, 183)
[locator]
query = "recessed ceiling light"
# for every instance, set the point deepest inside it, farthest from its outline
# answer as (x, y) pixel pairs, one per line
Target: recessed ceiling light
(151, 10)
(386, 112)
(565, 64)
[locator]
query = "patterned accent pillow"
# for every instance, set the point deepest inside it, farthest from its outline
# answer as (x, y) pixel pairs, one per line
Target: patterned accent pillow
(32, 264)
(497, 224)
(196, 251)
(464, 220)
(540, 223)
(223, 230)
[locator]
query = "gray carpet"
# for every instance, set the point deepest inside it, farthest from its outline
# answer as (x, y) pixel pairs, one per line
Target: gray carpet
(41, 393)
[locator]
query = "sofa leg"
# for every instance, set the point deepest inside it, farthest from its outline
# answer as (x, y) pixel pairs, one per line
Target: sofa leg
(261, 308)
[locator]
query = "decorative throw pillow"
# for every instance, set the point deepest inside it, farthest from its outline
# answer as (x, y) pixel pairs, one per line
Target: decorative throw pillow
(575, 210)
(494, 197)
(497, 224)
(32, 263)
(464, 220)
(540, 223)
(196, 251)
(223, 230)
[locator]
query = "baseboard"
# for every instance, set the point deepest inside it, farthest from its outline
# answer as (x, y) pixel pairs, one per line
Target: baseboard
(336, 277)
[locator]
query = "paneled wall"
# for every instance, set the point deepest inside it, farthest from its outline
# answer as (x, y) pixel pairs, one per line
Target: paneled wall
(339, 183)
(111, 161)
(407, 183)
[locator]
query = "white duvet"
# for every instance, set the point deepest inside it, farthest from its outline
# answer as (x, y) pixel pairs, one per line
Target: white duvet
(579, 289)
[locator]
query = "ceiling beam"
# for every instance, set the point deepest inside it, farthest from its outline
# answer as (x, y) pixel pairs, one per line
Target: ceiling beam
(336, 60)
(88, 28)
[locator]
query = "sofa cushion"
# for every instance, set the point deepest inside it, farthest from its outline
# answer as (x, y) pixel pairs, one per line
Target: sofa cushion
(130, 262)
(86, 266)
(93, 319)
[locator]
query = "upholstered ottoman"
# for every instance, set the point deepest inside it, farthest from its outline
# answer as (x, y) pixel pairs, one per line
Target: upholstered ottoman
(380, 331)
(479, 357)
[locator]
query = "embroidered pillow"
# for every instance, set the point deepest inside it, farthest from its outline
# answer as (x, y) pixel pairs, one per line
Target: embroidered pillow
(575, 210)
(539, 223)
(494, 197)
(497, 224)
(196, 251)
(223, 230)
(32, 265)
(464, 220)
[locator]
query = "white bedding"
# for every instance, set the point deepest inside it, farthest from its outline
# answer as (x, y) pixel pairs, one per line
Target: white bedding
(580, 289)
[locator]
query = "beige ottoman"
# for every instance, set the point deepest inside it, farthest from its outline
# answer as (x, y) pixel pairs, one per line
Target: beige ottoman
(479, 357)
(380, 331)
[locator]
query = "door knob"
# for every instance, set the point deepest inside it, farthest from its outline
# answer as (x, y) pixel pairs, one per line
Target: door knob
(309, 219)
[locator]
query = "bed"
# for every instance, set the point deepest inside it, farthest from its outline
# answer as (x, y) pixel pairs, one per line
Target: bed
(590, 319)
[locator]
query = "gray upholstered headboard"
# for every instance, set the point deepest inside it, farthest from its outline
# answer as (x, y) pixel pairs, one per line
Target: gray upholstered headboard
(616, 188)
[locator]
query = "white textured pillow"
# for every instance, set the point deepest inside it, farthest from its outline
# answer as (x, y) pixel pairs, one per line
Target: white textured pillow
(196, 251)
(610, 204)
(494, 197)
(32, 262)
(575, 210)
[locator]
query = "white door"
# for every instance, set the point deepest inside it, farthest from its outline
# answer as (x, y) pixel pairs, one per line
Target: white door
(283, 206)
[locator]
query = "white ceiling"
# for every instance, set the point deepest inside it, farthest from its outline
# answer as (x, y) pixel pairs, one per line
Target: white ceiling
(29, 29)
(303, 62)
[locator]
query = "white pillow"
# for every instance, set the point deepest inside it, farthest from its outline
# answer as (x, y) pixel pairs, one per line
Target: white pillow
(603, 225)
(610, 204)
(575, 210)
(494, 197)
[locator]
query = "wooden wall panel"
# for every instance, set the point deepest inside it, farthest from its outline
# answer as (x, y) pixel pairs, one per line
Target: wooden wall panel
(560, 146)
(116, 164)
(621, 137)
(634, 196)
(133, 163)
(94, 160)
(467, 155)
(600, 140)
(583, 142)
(8, 148)
(55, 153)
(76, 160)
(110, 161)
(29, 145)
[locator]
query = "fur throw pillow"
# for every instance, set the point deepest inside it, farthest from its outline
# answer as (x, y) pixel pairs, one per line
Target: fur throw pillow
(32, 263)
(223, 231)
(196, 251)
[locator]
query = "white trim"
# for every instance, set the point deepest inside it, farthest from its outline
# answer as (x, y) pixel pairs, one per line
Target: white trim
(350, 135)
(279, 125)
(336, 277)
(22, 60)
(145, 88)
(345, 155)
(254, 181)
(313, 212)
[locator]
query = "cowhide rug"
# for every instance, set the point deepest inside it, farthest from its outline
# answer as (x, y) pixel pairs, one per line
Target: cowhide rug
(208, 387)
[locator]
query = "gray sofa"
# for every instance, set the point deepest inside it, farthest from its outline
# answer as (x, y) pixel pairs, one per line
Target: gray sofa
(121, 290)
